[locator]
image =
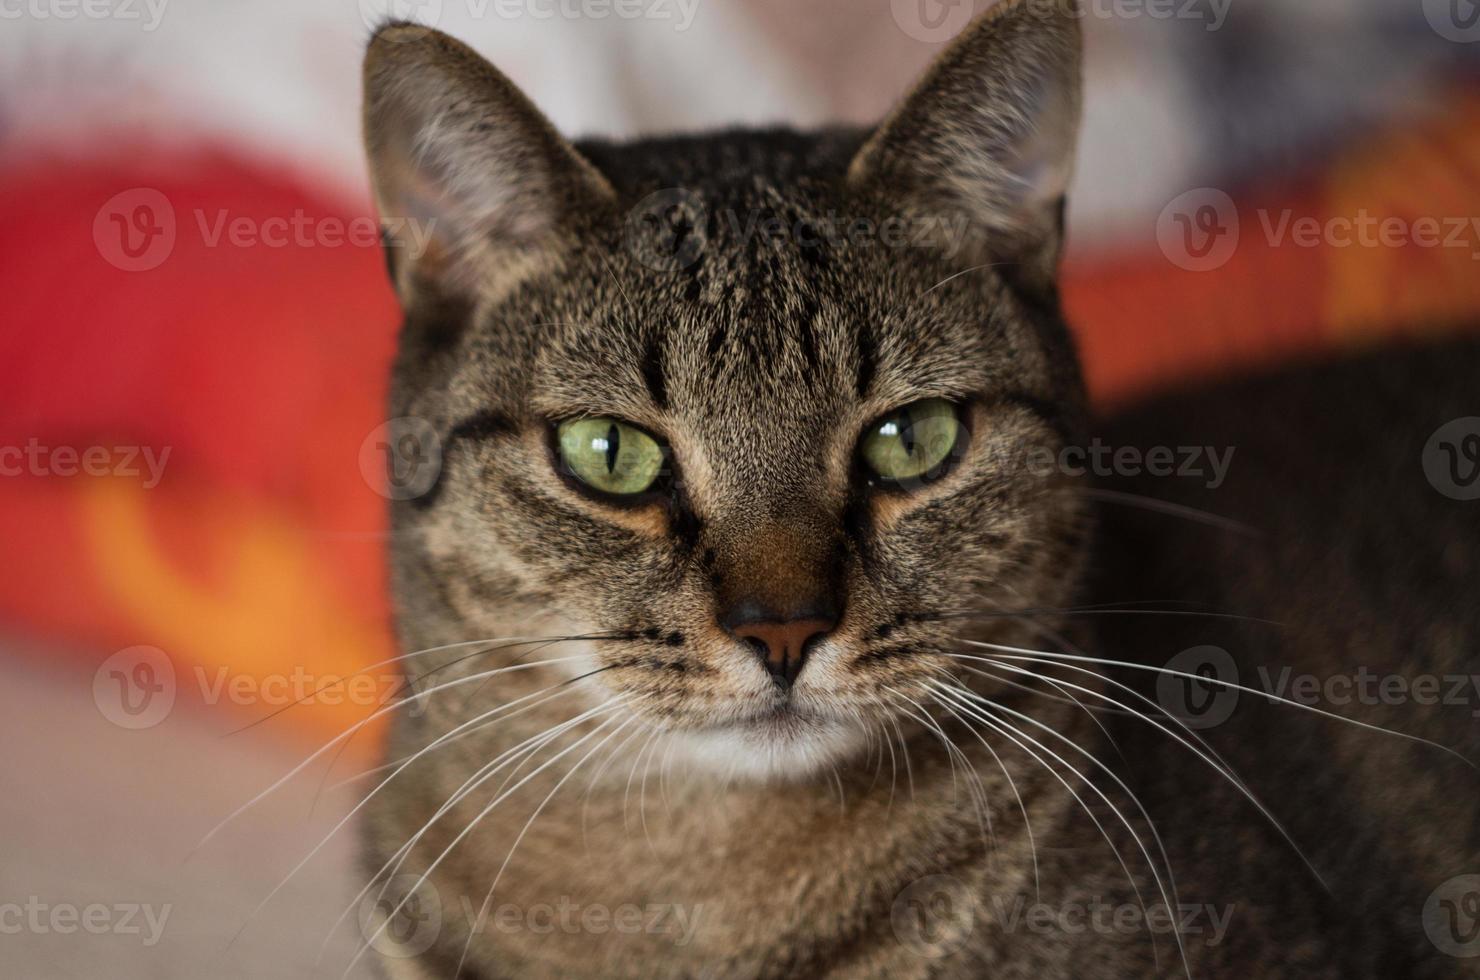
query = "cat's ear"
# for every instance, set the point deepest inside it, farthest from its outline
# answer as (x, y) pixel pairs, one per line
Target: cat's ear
(473, 184)
(989, 134)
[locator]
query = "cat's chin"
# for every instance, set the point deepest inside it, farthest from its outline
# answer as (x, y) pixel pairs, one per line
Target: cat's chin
(775, 746)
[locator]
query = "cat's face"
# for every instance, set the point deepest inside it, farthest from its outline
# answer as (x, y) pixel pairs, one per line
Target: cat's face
(752, 411)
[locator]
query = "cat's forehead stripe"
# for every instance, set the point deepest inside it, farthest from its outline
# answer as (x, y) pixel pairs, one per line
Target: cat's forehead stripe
(653, 373)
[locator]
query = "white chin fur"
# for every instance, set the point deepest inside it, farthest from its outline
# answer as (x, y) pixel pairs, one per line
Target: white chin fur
(770, 751)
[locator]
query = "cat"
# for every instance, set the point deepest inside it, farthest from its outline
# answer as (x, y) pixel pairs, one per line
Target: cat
(755, 626)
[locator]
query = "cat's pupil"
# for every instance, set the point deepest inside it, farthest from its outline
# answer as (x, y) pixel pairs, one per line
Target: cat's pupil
(907, 432)
(613, 437)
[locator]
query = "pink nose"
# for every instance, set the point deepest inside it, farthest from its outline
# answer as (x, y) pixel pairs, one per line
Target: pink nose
(783, 646)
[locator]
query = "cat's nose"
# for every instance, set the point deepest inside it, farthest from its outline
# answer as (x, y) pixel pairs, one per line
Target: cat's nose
(782, 643)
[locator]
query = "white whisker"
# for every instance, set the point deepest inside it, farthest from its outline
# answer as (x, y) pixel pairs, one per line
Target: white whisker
(483, 909)
(1226, 684)
(349, 733)
(978, 707)
(1217, 764)
(458, 839)
(525, 748)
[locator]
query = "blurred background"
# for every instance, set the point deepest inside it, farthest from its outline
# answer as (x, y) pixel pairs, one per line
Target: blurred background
(197, 329)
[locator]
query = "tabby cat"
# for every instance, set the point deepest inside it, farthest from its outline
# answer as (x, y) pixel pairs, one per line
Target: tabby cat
(755, 626)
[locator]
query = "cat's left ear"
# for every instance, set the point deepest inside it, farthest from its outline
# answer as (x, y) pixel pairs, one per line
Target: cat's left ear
(475, 187)
(989, 135)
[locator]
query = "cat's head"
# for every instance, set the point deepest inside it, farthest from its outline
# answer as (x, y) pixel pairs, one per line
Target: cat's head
(750, 408)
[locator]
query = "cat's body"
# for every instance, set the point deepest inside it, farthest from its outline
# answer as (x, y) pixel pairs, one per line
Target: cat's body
(858, 802)
(1366, 575)
(1347, 580)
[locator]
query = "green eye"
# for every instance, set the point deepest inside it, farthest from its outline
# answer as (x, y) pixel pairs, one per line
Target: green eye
(913, 442)
(610, 456)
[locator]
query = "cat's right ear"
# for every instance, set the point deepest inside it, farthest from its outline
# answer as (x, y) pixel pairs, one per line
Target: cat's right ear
(989, 134)
(474, 186)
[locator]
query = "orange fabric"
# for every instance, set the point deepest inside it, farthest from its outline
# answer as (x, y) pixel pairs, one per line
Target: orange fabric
(1143, 322)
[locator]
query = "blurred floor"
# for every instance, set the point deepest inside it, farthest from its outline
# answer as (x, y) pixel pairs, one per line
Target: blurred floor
(94, 815)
